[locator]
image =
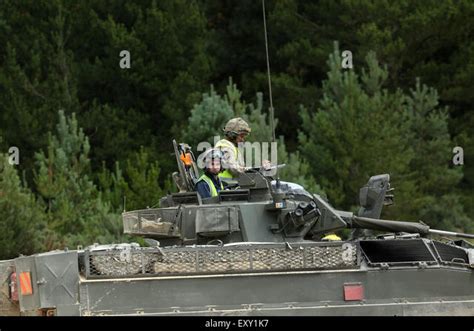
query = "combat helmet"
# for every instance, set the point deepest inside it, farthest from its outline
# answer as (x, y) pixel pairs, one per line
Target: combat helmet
(236, 126)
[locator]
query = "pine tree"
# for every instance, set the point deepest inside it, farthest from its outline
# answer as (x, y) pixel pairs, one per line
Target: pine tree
(37, 74)
(113, 186)
(137, 183)
(75, 210)
(358, 131)
(435, 198)
(362, 129)
(22, 221)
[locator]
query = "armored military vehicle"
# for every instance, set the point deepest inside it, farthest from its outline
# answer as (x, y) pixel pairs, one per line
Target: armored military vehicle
(259, 249)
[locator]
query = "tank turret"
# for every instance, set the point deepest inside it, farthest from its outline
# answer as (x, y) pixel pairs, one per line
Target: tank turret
(261, 209)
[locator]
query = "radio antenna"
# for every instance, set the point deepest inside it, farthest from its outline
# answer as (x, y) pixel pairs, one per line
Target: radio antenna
(272, 116)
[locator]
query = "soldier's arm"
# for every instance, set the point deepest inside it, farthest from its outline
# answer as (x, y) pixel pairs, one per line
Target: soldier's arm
(229, 163)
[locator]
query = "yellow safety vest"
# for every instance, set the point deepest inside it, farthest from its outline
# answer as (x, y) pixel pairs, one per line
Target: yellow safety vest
(226, 145)
(211, 185)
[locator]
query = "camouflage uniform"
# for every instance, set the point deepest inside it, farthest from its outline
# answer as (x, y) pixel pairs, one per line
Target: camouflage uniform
(233, 161)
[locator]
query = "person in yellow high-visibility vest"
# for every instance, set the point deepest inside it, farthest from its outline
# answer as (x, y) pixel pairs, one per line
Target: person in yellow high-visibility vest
(236, 130)
(209, 184)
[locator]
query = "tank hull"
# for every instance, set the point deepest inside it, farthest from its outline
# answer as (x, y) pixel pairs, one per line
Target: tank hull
(402, 292)
(409, 277)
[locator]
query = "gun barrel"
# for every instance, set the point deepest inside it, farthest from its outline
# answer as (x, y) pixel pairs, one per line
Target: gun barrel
(392, 226)
(452, 234)
(400, 226)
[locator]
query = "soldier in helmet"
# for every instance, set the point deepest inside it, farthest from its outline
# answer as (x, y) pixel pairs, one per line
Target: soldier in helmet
(235, 131)
(209, 183)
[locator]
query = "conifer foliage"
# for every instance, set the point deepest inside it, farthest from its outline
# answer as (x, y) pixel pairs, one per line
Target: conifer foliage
(22, 221)
(362, 129)
(75, 211)
(401, 109)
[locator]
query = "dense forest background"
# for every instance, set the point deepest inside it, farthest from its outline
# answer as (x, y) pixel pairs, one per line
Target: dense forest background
(90, 133)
